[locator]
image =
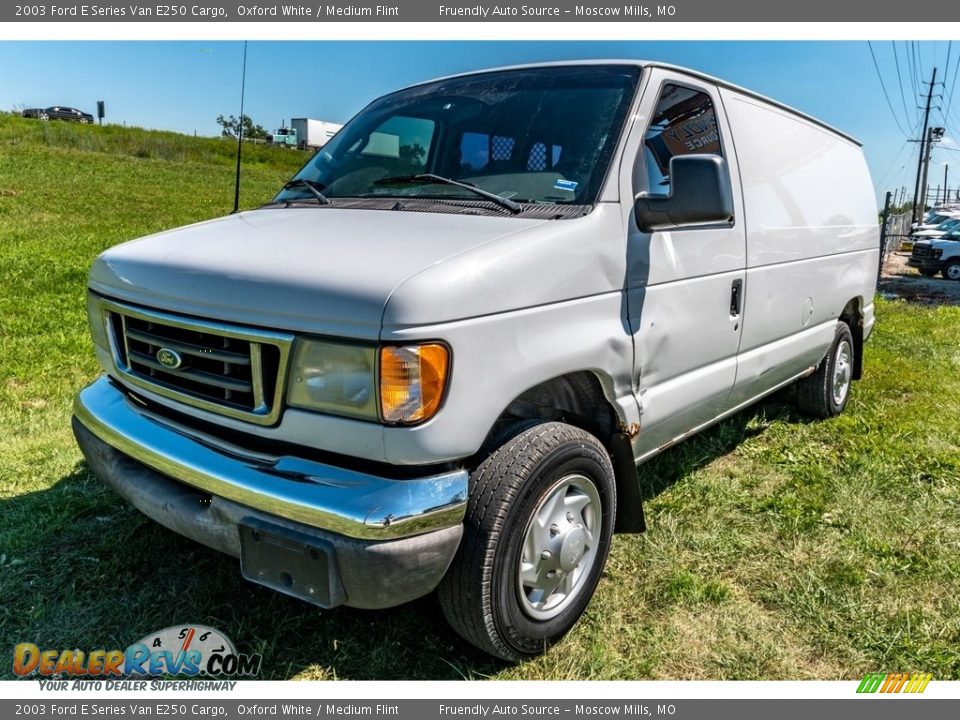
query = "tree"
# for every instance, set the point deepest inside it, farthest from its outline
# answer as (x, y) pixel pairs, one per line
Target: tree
(230, 127)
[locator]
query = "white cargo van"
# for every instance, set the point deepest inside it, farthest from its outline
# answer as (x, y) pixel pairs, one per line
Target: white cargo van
(436, 359)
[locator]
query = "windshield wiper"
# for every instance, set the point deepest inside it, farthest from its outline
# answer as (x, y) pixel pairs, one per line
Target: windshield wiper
(310, 185)
(428, 178)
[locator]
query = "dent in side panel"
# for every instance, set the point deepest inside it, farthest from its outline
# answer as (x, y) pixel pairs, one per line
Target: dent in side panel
(686, 354)
(496, 358)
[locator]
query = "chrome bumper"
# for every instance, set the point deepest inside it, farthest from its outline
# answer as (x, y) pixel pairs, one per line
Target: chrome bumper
(349, 503)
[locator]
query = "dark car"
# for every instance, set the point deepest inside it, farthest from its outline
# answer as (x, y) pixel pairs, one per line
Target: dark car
(58, 112)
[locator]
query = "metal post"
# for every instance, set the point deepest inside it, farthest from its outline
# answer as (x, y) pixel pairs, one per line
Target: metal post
(883, 236)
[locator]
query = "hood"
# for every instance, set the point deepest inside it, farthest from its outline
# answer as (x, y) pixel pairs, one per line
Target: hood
(318, 270)
(942, 242)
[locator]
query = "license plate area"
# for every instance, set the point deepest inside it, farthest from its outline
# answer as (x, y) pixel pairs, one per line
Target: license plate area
(290, 562)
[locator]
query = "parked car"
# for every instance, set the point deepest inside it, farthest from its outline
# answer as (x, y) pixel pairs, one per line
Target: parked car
(58, 112)
(436, 359)
(952, 221)
(938, 255)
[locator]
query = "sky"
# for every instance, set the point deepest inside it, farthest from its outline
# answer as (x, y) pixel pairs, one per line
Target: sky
(184, 86)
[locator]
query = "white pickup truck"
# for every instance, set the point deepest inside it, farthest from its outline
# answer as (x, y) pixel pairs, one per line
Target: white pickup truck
(436, 359)
(938, 255)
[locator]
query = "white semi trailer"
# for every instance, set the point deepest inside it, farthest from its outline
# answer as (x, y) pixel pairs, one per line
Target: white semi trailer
(313, 133)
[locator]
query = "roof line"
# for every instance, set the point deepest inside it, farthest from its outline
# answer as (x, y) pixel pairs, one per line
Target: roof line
(644, 64)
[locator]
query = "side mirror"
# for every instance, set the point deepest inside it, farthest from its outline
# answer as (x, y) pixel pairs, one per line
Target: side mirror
(700, 194)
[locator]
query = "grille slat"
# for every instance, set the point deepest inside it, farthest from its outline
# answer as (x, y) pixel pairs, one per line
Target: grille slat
(183, 347)
(233, 371)
(223, 381)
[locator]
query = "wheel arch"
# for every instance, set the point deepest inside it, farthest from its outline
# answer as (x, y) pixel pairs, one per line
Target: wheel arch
(582, 399)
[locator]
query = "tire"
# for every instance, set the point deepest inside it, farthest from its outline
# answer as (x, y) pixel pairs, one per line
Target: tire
(43, 116)
(825, 393)
(928, 273)
(952, 270)
(540, 515)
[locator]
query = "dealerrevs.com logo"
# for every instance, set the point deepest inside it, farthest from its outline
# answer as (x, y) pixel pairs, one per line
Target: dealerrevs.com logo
(183, 650)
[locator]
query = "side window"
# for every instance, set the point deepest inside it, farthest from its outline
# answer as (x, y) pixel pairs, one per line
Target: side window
(684, 123)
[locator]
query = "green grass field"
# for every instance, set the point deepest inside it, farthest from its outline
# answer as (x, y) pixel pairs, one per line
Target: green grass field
(777, 547)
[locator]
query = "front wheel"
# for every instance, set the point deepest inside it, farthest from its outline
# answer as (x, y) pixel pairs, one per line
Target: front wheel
(537, 532)
(952, 271)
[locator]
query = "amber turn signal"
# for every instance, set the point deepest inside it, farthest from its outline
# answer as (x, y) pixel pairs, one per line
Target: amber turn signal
(412, 382)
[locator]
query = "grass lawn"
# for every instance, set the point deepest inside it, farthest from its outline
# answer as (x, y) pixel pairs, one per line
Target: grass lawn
(777, 548)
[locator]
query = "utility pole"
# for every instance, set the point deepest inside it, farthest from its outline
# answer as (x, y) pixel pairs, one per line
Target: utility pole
(923, 140)
(934, 135)
(925, 158)
(946, 169)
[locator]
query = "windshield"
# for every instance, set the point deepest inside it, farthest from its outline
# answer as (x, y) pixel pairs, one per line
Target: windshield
(542, 135)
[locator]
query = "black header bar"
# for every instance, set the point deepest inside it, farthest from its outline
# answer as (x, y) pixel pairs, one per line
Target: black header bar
(672, 11)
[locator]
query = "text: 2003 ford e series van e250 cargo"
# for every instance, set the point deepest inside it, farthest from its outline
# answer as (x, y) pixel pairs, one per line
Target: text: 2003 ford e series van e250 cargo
(435, 359)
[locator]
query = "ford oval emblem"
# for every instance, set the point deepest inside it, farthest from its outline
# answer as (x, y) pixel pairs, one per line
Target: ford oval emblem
(170, 359)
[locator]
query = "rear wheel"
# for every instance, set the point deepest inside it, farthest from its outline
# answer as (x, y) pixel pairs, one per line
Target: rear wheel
(952, 271)
(537, 532)
(825, 393)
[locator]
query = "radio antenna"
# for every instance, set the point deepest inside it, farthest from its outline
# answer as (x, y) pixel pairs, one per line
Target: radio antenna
(243, 87)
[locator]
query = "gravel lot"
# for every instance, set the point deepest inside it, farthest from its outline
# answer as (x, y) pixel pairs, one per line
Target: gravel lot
(900, 281)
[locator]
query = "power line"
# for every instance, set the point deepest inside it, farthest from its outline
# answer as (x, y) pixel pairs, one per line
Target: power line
(889, 104)
(946, 65)
(908, 50)
(909, 159)
(949, 98)
(915, 78)
(895, 158)
(903, 98)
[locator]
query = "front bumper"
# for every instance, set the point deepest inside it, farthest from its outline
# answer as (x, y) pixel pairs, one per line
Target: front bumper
(929, 264)
(388, 541)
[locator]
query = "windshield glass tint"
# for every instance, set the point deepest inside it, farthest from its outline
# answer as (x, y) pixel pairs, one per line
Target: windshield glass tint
(543, 135)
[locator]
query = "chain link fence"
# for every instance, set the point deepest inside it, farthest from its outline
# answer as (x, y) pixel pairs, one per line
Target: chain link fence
(896, 232)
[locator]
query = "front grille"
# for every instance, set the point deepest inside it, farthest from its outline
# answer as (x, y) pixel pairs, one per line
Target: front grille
(922, 251)
(222, 368)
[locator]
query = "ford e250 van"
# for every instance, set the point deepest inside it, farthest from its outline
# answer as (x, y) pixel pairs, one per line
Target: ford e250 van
(436, 358)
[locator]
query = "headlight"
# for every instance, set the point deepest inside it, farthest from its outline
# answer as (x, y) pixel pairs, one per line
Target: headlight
(412, 382)
(937, 252)
(336, 378)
